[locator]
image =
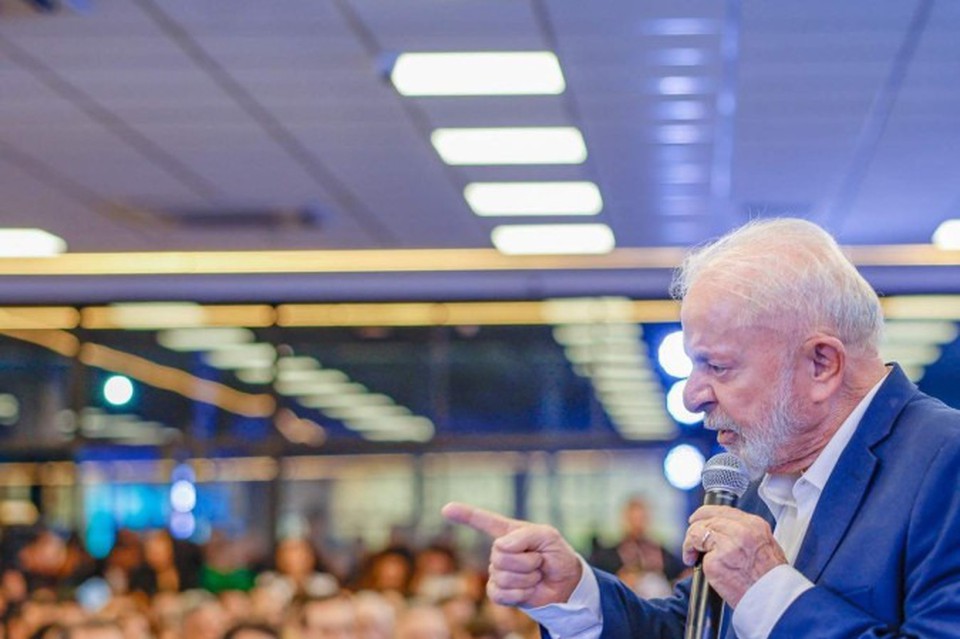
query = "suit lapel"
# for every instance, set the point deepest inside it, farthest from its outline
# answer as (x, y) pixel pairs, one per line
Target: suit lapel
(850, 479)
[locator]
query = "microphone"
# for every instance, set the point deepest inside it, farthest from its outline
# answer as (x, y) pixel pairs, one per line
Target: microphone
(724, 479)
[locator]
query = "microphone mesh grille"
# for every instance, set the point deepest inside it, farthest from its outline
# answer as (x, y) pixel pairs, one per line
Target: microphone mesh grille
(725, 471)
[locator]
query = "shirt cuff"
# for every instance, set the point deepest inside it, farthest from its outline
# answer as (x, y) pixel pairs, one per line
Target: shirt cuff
(579, 617)
(766, 600)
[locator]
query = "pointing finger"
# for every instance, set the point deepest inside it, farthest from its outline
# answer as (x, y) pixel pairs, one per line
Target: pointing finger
(485, 521)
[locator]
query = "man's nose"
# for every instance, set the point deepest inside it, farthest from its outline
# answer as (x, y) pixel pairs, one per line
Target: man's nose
(697, 394)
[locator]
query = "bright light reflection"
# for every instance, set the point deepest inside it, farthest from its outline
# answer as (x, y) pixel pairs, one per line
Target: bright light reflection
(947, 235)
(673, 359)
(680, 134)
(533, 198)
(182, 525)
(183, 496)
(478, 73)
(683, 467)
(30, 243)
(118, 390)
(676, 408)
(534, 145)
(202, 339)
(553, 239)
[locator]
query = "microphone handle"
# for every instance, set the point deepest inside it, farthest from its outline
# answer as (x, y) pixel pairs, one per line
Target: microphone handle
(705, 609)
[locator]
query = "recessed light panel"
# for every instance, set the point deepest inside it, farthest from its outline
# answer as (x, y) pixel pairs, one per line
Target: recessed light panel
(30, 243)
(947, 235)
(478, 73)
(533, 198)
(553, 239)
(516, 145)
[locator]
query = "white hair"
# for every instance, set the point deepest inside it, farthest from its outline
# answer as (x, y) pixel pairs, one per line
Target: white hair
(790, 271)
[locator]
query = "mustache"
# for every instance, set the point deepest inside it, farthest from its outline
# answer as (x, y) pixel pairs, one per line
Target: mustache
(717, 421)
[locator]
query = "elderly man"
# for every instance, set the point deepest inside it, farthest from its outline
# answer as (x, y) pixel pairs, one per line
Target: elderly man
(853, 527)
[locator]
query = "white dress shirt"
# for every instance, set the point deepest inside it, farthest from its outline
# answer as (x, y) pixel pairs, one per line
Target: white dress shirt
(791, 499)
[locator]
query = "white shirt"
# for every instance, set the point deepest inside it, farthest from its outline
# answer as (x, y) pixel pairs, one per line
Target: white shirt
(791, 499)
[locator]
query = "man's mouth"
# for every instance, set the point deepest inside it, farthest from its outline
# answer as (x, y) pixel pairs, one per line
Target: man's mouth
(726, 437)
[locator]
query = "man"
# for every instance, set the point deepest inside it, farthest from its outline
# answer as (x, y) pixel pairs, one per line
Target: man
(858, 469)
(637, 559)
(331, 616)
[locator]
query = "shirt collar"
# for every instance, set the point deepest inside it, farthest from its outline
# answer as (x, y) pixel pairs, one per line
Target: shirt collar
(777, 490)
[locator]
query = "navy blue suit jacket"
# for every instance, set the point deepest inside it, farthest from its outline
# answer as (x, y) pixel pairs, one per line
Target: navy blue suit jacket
(882, 548)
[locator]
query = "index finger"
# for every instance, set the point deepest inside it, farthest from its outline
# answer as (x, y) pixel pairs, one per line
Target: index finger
(486, 521)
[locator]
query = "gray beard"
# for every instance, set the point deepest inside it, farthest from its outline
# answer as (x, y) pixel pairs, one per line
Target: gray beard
(762, 449)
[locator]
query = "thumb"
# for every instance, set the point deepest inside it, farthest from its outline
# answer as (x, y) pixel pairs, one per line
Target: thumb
(486, 521)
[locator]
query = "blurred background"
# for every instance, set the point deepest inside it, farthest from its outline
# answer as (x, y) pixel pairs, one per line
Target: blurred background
(309, 270)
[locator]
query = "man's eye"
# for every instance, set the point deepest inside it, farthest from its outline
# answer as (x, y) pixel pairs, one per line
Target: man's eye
(715, 368)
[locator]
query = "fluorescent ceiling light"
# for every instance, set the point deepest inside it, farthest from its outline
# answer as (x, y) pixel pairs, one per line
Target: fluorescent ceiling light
(299, 363)
(918, 332)
(553, 239)
(514, 145)
(681, 26)
(146, 315)
(681, 110)
(680, 134)
(255, 375)
(681, 57)
(346, 413)
(242, 356)
(30, 243)
(681, 85)
(475, 73)
(202, 339)
(533, 198)
(947, 235)
(314, 376)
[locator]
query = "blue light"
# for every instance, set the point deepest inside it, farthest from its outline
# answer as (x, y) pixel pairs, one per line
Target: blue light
(182, 525)
(100, 535)
(183, 496)
(673, 359)
(183, 471)
(683, 466)
(676, 407)
(118, 390)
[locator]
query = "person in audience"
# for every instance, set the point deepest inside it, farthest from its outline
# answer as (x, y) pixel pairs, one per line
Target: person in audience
(167, 566)
(122, 560)
(95, 628)
(297, 563)
(330, 617)
(376, 615)
(388, 571)
(422, 622)
(251, 630)
(203, 617)
(226, 565)
(638, 560)
(434, 574)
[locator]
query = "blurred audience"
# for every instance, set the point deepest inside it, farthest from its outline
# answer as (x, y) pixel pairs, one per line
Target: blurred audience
(331, 617)
(422, 622)
(151, 586)
(639, 561)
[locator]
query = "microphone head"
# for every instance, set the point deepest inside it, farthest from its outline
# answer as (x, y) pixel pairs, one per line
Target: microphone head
(726, 472)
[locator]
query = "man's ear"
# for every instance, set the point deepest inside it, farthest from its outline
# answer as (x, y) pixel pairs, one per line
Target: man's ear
(826, 359)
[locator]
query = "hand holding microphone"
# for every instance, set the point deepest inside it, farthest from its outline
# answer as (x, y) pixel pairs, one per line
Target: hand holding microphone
(730, 549)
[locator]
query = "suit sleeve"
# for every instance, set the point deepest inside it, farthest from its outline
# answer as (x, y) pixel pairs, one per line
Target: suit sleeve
(626, 616)
(931, 580)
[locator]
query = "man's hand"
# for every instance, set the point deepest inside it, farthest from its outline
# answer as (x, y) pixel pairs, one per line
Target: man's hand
(738, 549)
(530, 564)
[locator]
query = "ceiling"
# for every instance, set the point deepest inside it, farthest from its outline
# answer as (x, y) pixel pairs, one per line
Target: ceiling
(193, 125)
(150, 134)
